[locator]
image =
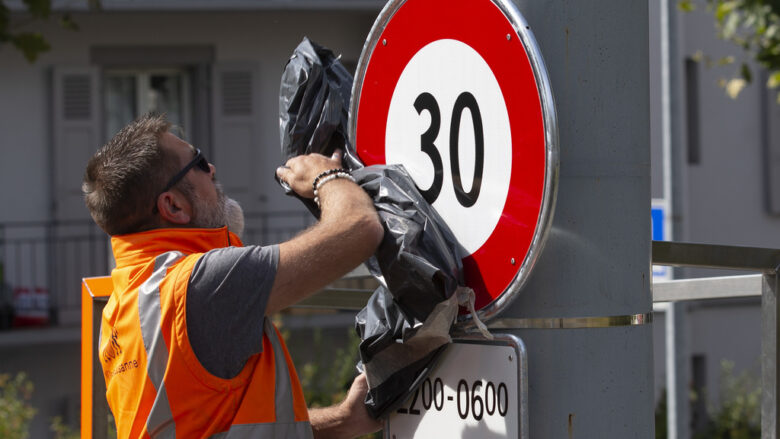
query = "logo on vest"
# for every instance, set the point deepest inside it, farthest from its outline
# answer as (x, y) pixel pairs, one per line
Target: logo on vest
(112, 350)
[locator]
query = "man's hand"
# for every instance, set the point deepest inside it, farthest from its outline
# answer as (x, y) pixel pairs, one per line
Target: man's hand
(299, 172)
(347, 234)
(348, 419)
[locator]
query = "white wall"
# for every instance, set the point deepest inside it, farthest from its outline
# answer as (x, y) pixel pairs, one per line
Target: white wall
(264, 37)
(24, 145)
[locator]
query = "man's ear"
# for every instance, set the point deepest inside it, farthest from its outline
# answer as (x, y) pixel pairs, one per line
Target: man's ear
(174, 208)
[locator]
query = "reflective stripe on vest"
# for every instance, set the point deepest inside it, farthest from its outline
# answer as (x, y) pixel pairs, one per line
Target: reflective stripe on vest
(160, 422)
(285, 426)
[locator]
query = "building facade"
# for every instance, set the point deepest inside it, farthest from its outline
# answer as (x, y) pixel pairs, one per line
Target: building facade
(714, 168)
(213, 67)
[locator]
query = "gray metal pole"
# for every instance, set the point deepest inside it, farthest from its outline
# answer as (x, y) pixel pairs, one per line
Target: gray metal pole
(769, 357)
(677, 372)
(677, 355)
(594, 382)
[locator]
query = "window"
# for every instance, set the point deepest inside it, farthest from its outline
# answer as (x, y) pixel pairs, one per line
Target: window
(131, 93)
(692, 110)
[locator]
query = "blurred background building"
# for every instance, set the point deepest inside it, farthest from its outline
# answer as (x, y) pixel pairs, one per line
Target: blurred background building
(212, 67)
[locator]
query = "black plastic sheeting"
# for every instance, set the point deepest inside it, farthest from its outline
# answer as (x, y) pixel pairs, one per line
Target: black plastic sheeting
(314, 100)
(407, 320)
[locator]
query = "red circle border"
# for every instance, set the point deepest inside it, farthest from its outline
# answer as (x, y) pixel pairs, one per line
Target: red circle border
(484, 27)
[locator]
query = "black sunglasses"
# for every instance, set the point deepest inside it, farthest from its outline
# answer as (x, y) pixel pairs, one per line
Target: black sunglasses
(199, 160)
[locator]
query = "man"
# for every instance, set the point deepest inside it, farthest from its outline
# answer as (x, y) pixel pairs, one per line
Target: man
(186, 348)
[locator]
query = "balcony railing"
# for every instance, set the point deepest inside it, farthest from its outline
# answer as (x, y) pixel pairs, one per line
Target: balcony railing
(42, 263)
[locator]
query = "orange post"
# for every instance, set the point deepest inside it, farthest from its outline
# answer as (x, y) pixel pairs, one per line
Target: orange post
(93, 289)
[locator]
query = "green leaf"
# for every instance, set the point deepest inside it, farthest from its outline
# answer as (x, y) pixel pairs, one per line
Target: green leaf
(15, 410)
(726, 60)
(771, 31)
(67, 22)
(750, 20)
(686, 5)
(761, 22)
(745, 72)
(39, 8)
(730, 26)
(734, 86)
(774, 80)
(31, 44)
(724, 9)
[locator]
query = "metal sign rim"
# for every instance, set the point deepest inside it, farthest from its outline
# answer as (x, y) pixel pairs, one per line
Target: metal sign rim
(549, 116)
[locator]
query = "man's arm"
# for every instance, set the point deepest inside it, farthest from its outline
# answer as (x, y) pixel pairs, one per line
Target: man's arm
(346, 420)
(347, 234)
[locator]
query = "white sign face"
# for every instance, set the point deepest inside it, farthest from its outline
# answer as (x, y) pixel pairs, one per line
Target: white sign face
(473, 393)
(448, 125)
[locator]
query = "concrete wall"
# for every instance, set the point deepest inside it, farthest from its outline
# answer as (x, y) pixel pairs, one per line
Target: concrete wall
(24, 153)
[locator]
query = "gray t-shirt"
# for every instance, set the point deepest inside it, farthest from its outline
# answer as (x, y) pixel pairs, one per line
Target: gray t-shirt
(226, 300)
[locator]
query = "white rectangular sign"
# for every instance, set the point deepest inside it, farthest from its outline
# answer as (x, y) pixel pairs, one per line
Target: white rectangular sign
(477, 390)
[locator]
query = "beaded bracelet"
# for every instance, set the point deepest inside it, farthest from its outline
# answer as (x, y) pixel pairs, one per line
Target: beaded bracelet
(323, 174)
(332, 176)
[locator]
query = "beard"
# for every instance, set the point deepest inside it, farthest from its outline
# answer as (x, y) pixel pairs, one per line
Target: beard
(224, 212)
(234, 217)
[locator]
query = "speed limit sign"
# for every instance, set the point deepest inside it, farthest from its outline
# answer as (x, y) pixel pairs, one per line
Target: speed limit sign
(457, 92)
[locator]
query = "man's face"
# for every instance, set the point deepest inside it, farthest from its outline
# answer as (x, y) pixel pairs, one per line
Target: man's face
(210, 208)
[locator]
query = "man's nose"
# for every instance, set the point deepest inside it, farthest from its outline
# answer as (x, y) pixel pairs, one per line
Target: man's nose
(213, 169)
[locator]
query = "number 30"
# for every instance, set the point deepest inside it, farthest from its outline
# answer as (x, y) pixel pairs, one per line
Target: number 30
(426, 101)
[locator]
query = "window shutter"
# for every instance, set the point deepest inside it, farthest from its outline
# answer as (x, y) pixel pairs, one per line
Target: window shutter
(76, 136)
(236, 148)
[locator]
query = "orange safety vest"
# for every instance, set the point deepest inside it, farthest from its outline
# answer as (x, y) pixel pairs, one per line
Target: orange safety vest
(156, 387)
